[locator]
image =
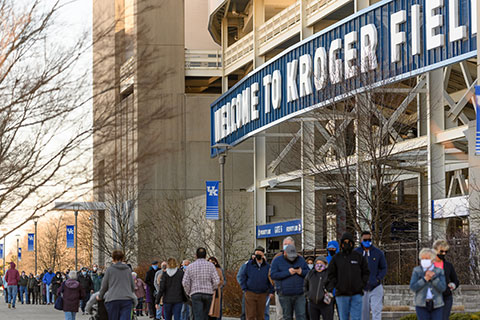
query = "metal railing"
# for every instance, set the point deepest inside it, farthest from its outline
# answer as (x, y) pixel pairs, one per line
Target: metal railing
(282, 22)
(203, 59)
(127, 73)
(239, 50)
(313, 6)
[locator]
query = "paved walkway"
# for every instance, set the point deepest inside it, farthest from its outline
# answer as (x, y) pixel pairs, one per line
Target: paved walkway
(36, 312)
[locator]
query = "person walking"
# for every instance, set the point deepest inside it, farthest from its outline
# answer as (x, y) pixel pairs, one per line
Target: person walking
(428, 283)
(30, 289)
(256, 285)
(288, 272)
(140, 292)
(320, 301)
(377, 264)
(171, 290)
(47, 280)
(217, 299)
(72, 293)
(150, 281)
(22, 288)
(441, 248)
(348, 274)
(56, 283)
(11, 278)
(118, 289)
(158, 277)
(34, 289)
(186, 310)
(97, 277)
(278, 306)
(200, 281)
(87, 285)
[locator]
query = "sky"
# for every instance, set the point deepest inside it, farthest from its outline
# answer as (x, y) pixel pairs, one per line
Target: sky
(74, 19)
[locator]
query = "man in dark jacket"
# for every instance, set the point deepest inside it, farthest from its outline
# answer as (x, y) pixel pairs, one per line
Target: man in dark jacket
(22, 288)
(348, 273)
(87, 286)
(149, 280)
(377, 264)
(256, 285)
(289, 272)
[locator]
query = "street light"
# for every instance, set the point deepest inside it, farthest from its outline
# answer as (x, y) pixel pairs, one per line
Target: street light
(18, 258)
(35, 221)
(223, 147)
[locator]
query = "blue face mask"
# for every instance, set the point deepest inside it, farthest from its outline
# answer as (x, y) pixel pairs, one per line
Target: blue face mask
(285, 247)
(367, 243)
(155, 267)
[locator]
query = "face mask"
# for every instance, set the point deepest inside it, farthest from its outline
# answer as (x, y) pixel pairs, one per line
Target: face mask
(331, 253)
(426, 263)
(58, 276)
(84, 273)
(155, 267)
(347, 247)
(441, 256)
(258, 257)
(367, 243)
(285, 246)
(94, 269)
(320, 267)
(310, 266)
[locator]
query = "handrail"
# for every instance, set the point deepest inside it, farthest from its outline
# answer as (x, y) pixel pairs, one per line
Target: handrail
(239, 49)
(281, 22)
(203, 59)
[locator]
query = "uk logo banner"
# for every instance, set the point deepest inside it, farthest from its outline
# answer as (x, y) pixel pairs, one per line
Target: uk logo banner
(19, 254)
(212, 200)
(1, 251)
(70, 236)
(31, 239)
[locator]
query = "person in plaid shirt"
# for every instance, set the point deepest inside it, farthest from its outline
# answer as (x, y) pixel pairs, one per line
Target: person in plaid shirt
(200, 281)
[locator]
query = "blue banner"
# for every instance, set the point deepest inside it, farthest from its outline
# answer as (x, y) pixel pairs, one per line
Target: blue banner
(1, 251)
(19, 254)
(70, 236)
(279, 229)
(389, 41)
(212, 200)
(477, 137)
(31, 239)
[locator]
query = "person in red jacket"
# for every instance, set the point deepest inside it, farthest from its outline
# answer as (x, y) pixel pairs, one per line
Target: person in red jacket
(12, 277)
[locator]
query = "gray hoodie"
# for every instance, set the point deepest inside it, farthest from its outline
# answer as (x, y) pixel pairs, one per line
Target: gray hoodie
(117, 283)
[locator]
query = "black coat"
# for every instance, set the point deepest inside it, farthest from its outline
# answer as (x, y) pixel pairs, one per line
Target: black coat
(56, 283)
(171, 288)
(86, 282)
(314, 285)
(348, 274)
(150, 278)
(450, 276)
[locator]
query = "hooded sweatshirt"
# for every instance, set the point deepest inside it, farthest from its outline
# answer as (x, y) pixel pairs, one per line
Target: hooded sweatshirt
(12, 276)
(118, 281)
(72, 294)
(333, 243)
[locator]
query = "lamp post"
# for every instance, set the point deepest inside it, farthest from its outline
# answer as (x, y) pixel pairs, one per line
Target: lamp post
(18, 258)
(221, 161)
(76, 239)
(35, 221)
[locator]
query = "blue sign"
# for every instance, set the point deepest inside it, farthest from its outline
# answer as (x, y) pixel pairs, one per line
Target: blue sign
(279, 229)
(1, 251)
(19, 254)
(31, 239)
(212, 200)
(384, 43)
(70, 236)
(477, 130)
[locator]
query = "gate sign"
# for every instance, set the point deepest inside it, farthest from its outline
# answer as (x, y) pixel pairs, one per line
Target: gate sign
(1, 251)
(31, 238)
(19, 254)
(450, 207)
(70, 236)
(384, 43)
(477, 130)
(212, 200)
(279, 229)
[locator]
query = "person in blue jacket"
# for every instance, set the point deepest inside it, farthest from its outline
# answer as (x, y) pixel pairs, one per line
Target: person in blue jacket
(256, 285)
(47, 279)
(377, 264)
(332, 248)
(289, 272)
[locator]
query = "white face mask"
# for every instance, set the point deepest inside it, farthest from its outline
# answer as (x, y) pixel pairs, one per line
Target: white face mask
(285, 247)
(426, 263)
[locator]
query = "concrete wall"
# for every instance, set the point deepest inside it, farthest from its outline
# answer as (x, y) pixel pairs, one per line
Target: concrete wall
(196, 26)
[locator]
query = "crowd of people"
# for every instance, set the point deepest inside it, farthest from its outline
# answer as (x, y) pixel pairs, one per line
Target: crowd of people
(348, 280)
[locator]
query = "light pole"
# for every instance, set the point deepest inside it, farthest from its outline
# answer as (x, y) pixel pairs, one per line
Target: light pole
(76, 239)
(18, 258)
(223, 158)
(35, 221)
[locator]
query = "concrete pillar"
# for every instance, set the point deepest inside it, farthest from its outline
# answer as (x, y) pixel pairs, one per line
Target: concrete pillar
(361, 4)
(258, 20)
(473, 180)
(436, 153)
(306, 31)
(224, 49)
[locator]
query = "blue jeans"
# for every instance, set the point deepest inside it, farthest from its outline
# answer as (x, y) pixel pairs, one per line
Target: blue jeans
(12, 294)
(186, 310)
(173, 309)
(424, 314)
(23, 291)
(267, 308)
(47, 292)
(70, 315)
(201, 305)
(291, 304)
(349, 307)
(83, 303)
(119, 309)
(159, 312)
